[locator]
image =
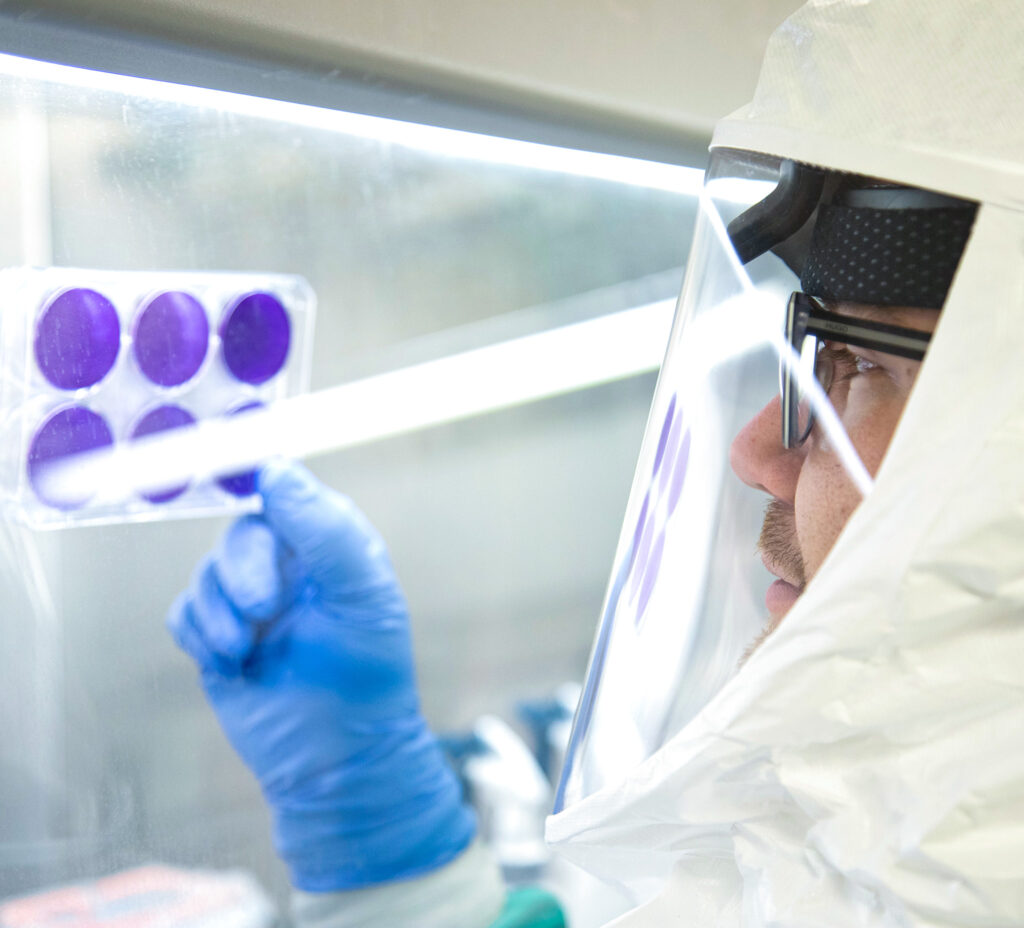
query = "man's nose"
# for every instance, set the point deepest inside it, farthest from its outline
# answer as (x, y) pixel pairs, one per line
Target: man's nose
(758, 458)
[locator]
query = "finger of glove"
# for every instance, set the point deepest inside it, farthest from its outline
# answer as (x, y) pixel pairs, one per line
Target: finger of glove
(181, 624)
(225, 634)
(247, 570)
(338, 547)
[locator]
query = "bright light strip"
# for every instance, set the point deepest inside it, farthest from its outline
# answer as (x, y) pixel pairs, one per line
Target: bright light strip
(740, 189)
(451, 143)
(506, 374)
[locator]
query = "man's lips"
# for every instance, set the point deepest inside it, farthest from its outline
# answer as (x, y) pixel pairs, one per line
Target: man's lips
(781, 594)
(780, 597)
(780, 554)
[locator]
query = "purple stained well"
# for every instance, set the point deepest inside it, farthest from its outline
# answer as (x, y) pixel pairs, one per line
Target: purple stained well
(172, 335)
(70, 430)
(244, 483)
(162, 419)
(256, 335)
(77, 339)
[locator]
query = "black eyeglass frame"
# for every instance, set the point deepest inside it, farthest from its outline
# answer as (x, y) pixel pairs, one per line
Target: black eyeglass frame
(805, 315)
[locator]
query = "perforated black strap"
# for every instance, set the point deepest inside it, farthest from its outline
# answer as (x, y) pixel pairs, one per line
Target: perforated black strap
(886, 257)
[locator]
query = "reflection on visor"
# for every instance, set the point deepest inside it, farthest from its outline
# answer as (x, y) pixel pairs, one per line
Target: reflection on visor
(689, 596)
(660, 502)
(687, 593)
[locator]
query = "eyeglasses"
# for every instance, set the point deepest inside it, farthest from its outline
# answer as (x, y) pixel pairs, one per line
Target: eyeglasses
(805, 316)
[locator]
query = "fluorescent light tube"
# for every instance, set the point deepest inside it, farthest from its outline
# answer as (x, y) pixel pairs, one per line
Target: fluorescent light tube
(510, 373)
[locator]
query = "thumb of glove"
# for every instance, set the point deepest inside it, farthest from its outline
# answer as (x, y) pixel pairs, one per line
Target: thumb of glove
(337, 546)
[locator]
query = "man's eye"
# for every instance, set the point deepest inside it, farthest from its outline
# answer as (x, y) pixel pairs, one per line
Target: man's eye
(863, 364)
(845, 363)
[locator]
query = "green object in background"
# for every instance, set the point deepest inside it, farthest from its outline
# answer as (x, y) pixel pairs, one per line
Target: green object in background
(530, 908)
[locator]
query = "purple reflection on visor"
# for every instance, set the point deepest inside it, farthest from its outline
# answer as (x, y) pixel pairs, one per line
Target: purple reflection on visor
(256, 334)
(642, 553)
(679, 473)
(640, 523)
(68, 431)
(162, 419)
(666, 425)
(671, 447)
(171, 338)
(77, 339)
(651, 571)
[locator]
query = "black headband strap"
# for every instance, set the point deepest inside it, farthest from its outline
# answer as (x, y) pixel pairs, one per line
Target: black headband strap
(886, 257)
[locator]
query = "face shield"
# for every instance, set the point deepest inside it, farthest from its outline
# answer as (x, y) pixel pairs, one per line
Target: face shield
(796, 276)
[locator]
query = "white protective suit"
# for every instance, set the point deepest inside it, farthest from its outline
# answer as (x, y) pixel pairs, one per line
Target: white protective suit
(866, 765)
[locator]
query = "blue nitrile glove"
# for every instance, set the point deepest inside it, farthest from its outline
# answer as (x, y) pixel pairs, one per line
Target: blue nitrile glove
(301, 634)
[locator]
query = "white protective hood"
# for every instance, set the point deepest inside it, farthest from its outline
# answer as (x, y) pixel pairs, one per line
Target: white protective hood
(866, 766)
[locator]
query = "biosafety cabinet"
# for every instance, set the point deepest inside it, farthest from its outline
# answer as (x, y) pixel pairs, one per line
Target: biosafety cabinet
(365, 229)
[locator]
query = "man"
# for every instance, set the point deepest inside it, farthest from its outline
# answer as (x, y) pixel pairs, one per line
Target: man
(865, 766)
(869, 389)
(859, 768)
(863, 348)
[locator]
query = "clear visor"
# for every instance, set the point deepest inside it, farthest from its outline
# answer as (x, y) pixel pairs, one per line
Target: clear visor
(687, 597)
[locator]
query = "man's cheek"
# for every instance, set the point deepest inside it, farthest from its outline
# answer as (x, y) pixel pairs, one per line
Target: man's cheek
(825, 500)
(872, 412)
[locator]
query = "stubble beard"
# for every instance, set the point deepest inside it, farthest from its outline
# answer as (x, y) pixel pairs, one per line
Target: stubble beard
(778, 542)
(780, 548)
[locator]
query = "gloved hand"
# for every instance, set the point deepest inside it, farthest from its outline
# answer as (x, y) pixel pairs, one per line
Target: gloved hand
(301, 635)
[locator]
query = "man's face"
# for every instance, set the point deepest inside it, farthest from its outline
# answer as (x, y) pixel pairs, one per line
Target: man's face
(812, 495)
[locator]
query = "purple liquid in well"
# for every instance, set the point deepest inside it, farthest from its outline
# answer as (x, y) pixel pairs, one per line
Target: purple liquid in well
(256, 334)
(172, 335)
(244, 483)
(68, 431)
(162, 419)
(77, 339)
